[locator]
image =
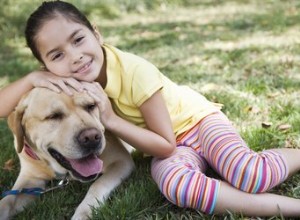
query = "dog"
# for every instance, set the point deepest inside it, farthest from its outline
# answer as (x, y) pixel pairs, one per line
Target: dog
(58, 136)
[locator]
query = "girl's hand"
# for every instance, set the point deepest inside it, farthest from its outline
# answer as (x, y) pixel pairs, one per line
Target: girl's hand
(97, 93)
(57, 84)
(157, 139)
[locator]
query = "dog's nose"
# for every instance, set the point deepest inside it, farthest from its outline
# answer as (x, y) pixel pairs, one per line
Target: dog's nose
(89, 138)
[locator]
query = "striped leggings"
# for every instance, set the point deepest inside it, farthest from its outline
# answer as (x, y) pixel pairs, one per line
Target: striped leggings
(213, 141)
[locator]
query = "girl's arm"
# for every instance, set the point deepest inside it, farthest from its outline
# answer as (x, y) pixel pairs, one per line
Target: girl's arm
(157, 140)
(11, 94)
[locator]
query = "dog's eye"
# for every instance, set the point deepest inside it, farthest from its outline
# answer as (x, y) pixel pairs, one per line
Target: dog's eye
(90, 107)
(55, 116)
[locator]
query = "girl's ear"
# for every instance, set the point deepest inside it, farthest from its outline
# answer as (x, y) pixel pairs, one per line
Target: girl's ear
(98, 35)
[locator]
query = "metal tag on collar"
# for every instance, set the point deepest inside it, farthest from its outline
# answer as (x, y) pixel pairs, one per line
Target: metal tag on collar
(60, 184)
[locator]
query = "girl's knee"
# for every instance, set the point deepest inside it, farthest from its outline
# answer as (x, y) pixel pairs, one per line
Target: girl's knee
(187, 187)
(262, 173)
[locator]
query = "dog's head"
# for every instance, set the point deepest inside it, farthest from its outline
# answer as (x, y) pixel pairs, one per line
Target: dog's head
(64, 131)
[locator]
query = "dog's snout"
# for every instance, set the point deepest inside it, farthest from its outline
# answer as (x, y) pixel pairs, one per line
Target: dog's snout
(89, 138)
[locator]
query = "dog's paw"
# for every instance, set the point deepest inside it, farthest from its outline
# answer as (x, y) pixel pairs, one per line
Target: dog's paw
(5, 209)
(82, 213)
(81, 216)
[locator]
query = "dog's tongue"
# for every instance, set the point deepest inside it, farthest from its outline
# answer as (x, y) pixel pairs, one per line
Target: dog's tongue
(87, 166)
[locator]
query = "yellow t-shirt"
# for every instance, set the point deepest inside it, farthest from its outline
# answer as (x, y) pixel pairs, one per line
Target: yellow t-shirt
(131, 80)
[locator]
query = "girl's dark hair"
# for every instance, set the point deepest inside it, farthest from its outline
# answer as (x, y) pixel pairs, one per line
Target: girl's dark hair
(47, 11)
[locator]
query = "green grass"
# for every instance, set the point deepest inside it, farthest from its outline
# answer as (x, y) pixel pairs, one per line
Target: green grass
(242, 53)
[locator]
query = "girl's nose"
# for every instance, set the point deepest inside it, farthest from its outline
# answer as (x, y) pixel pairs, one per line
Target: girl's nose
(78, 59)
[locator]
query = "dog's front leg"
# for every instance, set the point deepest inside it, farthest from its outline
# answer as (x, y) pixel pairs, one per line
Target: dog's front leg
(103, 186)
(13, 204)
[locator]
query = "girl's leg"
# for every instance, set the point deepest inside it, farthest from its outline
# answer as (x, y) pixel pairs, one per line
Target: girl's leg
(246, 170)
(261, 204)
(292, 159)
(216, 139)
(181, 180)
(227, 153)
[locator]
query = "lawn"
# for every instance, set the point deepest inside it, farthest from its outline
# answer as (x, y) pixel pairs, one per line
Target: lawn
(242, 53)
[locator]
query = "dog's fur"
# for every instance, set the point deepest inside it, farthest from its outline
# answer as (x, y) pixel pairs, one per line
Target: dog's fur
(60, 130)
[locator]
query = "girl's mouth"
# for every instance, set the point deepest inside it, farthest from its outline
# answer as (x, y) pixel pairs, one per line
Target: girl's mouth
(84, 68)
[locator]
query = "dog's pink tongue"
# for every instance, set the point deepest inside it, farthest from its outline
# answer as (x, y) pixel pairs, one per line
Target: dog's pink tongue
(87, 166)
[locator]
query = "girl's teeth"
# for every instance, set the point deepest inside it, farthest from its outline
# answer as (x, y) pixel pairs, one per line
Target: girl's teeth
(83, 68)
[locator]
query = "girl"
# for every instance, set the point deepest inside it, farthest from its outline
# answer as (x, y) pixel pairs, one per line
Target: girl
(182, 130)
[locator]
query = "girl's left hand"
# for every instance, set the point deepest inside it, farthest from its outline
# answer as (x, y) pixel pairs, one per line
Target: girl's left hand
(95, 90)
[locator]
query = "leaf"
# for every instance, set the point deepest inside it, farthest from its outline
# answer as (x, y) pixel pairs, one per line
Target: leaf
(266, 124)
(284, 127)
(9, 165)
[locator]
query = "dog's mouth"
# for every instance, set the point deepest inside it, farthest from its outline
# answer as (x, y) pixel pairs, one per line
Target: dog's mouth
(85, 169)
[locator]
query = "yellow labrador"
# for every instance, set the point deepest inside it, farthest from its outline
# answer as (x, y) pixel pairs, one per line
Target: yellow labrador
(57, 136)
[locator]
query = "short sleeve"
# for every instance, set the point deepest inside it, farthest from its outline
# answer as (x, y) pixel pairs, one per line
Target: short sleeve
(146, 80)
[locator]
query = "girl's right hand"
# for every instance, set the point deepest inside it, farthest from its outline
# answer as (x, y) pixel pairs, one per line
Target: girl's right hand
(95, 90)
(55, 83)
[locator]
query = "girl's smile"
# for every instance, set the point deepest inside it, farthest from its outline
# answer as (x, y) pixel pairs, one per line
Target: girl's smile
(70, 49)
(84, 68)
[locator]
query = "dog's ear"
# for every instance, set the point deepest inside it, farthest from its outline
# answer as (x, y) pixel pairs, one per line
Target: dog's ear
(15, 124)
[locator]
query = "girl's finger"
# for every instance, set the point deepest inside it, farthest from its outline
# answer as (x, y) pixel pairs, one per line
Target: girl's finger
(90, 87)
(52, 87)
(75, 84)
(61, 84)
(96, 98)
(98, 86)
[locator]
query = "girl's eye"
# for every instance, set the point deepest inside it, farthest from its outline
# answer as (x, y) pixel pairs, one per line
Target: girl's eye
(78, 40)
(56, 56)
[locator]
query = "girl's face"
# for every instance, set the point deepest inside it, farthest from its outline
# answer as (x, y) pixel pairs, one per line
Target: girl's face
(70, 49)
